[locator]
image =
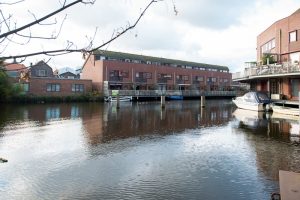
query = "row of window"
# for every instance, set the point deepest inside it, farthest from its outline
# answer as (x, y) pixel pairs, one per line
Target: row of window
(55, 87)
(148, 75)
(266, 48)
(99, 57)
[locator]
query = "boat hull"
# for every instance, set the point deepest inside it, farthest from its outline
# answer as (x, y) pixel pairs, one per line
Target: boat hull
(249, 106)
(121, 98)
(285, 110)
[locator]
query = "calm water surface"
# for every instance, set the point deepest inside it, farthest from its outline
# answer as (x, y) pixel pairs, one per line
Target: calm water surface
(94, 151)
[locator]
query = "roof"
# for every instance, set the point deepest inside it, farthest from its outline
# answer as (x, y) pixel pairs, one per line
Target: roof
(14, 66)
(123, 56)
(67, 69)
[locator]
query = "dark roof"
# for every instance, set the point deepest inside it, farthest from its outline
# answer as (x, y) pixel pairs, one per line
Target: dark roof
(123, 56)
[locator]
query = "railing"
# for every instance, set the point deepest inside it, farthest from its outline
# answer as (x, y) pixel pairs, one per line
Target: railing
(158, 93)
(273, 69)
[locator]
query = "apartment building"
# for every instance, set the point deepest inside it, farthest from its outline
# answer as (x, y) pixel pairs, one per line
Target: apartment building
(124, 71)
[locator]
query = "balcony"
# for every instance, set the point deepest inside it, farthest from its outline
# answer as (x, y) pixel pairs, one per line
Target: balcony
(162, 80)
(272, 70)
(116, 79)
(140, 80)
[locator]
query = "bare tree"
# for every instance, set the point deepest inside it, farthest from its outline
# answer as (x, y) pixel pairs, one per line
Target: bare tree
(9, 31)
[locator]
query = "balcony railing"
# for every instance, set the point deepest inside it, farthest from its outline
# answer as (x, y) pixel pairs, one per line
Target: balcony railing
(267, 70)
(157, 93)
(116, 78)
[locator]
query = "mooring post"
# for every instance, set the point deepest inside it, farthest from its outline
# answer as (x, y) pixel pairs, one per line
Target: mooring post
(202, 101)
(163, 101)
(299, 102)
(118, 101)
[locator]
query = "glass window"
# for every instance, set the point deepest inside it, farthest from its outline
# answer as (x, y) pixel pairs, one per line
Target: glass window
(77, 87)
(41, 72)
(293, 36)
(25, 87)
(53, 87)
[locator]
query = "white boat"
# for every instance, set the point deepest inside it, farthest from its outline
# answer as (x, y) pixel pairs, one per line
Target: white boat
(256, 101)
(114, 98)
(285, 110)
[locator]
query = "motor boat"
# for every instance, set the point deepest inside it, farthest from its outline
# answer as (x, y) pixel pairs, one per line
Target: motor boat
(256, 101)
(114, 98)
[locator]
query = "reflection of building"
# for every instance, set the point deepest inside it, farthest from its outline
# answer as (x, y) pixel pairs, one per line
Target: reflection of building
(267, 137)
(138, 120)
(115, 70)
(277, 70)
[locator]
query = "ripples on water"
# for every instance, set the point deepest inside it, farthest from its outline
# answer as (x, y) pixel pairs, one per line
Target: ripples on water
(94, 151)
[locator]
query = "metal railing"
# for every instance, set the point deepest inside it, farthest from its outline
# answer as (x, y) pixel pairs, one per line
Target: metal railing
(263, 70)
(158, 93)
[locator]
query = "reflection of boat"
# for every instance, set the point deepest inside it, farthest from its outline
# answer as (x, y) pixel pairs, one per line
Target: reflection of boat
(243, 115)
(250, 118)
(175, 97)
(285, 110)
(121, 98)
(256, 101)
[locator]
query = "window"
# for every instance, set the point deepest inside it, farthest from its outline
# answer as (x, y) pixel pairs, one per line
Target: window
(266, 48)
(293, 36)
(25, 87)
(77, 87)
(198, 78)
(41, 72)
(53, 87)
(186, 78)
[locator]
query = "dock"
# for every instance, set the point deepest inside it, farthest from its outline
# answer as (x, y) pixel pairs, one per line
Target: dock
(289, 183)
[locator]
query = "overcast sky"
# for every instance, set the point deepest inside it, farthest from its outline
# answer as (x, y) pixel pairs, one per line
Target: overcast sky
(207, 31)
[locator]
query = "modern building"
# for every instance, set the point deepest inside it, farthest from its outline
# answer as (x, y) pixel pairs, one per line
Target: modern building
(123, 71)
(277, 69)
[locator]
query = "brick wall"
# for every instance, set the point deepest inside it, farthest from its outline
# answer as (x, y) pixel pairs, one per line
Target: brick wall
(38, 86)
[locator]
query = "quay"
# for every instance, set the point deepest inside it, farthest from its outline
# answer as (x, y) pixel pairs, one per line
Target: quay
(289, 183)
(168, 93)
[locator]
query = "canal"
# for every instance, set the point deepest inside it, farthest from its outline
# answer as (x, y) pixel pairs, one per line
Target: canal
(95, 151)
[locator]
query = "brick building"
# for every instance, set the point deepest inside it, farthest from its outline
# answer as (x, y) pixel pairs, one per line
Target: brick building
(43, 82)
(124, 71)
(277, 69)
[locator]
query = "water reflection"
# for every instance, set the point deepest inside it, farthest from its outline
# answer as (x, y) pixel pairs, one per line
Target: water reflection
(274, 138)
(140, 151)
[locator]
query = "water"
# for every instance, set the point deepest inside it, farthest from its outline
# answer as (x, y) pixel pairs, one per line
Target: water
(94, 151)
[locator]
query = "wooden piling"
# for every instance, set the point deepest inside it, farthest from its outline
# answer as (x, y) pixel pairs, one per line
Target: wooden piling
(118, 101)
(202, 101)
(163, 102)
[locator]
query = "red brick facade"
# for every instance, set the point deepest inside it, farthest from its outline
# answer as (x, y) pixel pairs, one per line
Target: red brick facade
(280, 31)
(131, 73)
(67, 87)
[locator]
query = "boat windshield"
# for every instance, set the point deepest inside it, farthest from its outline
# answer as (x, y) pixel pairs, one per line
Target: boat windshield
(262, 97)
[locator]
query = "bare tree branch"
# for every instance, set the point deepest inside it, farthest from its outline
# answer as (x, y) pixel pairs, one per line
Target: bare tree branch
(12, 3)
(45, 17)
(52, 37)
(89, 49)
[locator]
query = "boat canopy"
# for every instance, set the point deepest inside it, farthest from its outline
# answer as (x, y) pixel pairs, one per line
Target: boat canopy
(256, 97)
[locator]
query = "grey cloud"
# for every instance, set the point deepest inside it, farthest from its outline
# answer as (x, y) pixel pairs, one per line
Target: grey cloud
(212, 14)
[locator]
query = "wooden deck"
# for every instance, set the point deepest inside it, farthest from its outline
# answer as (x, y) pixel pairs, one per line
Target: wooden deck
(289, 183)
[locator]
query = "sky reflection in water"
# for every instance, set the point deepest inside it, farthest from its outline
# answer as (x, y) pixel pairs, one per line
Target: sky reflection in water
(95, 151)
